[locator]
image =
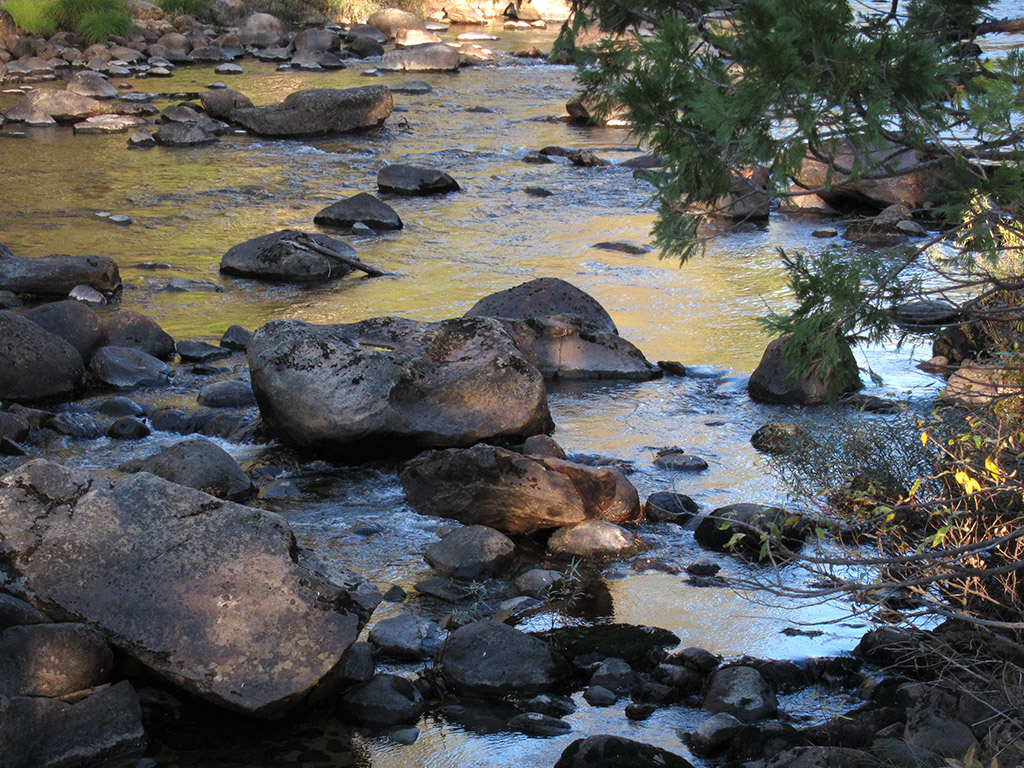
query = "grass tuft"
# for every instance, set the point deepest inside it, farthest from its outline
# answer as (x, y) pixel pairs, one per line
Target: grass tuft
(33, 16)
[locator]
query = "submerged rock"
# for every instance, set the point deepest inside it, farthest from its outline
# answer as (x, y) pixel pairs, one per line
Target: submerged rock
(319, 112)
(564, 331)
(387, 383)
(209, 595)
(502, 489)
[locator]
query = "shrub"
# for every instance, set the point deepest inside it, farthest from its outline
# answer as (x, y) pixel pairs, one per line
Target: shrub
(69, 13)
(34, 16)
(97, 26)
(196, 8)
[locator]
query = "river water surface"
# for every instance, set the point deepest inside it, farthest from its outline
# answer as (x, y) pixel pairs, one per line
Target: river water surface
(190, 205)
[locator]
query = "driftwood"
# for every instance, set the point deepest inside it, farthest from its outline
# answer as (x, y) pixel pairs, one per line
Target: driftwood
(303, 240)
(1002, 25)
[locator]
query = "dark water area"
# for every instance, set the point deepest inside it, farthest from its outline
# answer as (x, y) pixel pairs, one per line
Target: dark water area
(190, 205)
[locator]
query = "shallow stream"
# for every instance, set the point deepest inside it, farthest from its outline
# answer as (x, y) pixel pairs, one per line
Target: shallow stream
(190, 205)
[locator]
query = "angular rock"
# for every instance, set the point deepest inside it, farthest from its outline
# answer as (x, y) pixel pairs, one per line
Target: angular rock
(537, 724)
(773, 381)
(629, 642)
(135, 330)
(594, 539)
(976, 384)
(52, 659)
(47, 732)
(391, 382)
(127, 368)
(34, 363)
(72, 321)
(364, 47)
(413, 180)
(212, 596)
(492, 486)
(537, 582)
(200, 351)
(384, 700)
(198, 463)
(236, 337)
(741, 692)
(564, 331)
(493, 660)
(822, 757)
(605, 751)
(319, 112)
(58, 274)
(755, 522)
(469, 551)
(365, 208)
(284, 257)
(62, 106)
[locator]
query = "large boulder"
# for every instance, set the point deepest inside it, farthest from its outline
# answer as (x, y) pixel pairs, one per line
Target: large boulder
(741, 692)
(776, 381)
(467, 552)
(493, 660)
(221, 103)
(198, 463)
(56, 275)
(363, 208)
(564, 331)
(135, 330)
(34, 363)
(92, 84)
(127, 368)
(210, 595)
(62, 106)
(72, 321)
(427, 57)
(288, 256)
(319, 112)
(261, 29)
(391, 382)
(390, 20)
(502, 489)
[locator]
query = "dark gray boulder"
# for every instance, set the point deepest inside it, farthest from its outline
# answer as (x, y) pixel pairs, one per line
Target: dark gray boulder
(412, 180)
(741, 692)
(564, 331)
(236, 337)
(286, 256)
(183, 135)
(383, 700)
(387, 383)
(469, 551)
(775, 380)
(127, 368)
(406, 636)
(364, 47)
(135, 330)
(212, 596)
(34, 363)
(426, 57)
(52, 659)
(58, 274)
(492, 486)
(363, 208)
(319, 112)
(18, 613)
(605, 751)
(227, 394)
(220, 104)
(494, 660)
(47, 733)
(755, 523)
(92, 84)
(198, 463)
(72, 321)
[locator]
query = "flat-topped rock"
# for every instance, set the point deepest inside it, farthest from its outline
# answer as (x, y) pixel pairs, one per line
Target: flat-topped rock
(319, 112)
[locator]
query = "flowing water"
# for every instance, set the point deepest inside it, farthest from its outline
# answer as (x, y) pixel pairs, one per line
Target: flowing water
(191, 205)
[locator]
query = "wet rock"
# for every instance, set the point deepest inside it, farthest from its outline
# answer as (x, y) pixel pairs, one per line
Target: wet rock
(897, 753)
(594, 539)
(623, 246)
(542, 445)
(599, 696)
(13, 427)
(91, 84)
(538, 582)
(288, 256)
(200, 351)
(487, 485)
(564, 332)
(754, 522)
(365, 208)
(493, 660)
(34, 363)
(927, 313)
(384, 700)
(236, 337)
(183, 135)
(629, 642)
(220, 104)
(682, 678)
(261, 30)
(389, 20)
(356, 666)
(183, 285)
(102, 124)
(197, 463)
(667, 507)
(469, 551)
(78, 425)
(135, 330)
(547, 704)
(537, 724)
(127, 368)
(773, 381)
(364, 47)
(703, 566)
(605, 751)
(413, 180)
(389, 383)
(119, 405)
(62, 106)
(128, 428)
(679, 461)
(741, 692)
(72, 321)
(52, 659)
(715, 734)
(47, 732)
(141, 139)
(779, 438)
(319, 112)
(822, 757)
(614, 674)
(427, 57)
(406, 637)
(227, 394)
(210, 595)
(58, 274)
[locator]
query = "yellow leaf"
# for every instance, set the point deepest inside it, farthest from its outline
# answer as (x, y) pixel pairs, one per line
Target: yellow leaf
(968, 483)
(924, 438)
(993, 469)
